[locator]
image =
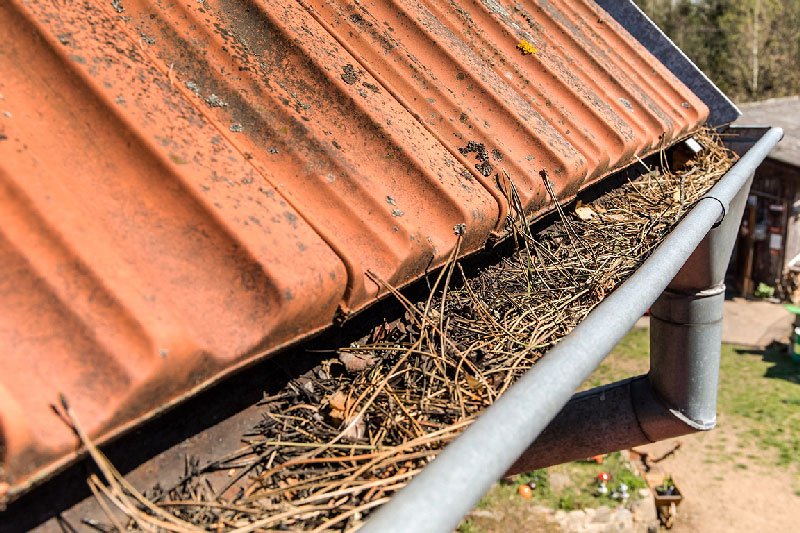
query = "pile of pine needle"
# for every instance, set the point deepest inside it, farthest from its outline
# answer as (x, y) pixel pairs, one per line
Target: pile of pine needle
(339, 441)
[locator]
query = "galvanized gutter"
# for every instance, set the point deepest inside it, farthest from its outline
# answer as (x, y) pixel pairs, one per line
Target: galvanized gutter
(451, 485)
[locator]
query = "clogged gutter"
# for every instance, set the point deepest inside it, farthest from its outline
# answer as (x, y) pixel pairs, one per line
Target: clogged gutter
(341, 440)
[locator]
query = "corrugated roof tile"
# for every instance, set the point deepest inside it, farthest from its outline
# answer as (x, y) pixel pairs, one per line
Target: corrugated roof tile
(186, 186)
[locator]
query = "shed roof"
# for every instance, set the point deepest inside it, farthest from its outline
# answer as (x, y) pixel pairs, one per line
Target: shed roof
(779, 112)
(188, 186)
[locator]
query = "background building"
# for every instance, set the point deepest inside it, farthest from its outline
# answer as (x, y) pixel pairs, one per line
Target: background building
(768, 247)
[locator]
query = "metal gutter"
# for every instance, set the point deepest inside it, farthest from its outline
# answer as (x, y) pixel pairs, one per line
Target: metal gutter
(452, 484)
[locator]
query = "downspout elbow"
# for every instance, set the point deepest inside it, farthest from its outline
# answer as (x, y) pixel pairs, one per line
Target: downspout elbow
(612, 417)
(657, 419)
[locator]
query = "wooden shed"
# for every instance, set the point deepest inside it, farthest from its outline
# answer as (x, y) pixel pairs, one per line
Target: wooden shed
(768, 247)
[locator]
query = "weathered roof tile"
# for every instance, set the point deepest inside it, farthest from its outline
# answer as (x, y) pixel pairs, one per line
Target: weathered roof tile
(187, 186)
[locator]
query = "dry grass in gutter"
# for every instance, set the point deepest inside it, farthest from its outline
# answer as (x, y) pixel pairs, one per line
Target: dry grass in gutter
(339, 441)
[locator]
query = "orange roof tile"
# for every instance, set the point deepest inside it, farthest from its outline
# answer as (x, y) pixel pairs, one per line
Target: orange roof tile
(188, 185)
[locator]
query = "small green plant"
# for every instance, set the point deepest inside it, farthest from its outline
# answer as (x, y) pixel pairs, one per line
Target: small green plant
(633, 481)
(468, 526)
(667, 487)
(764, 291)
(567, 502)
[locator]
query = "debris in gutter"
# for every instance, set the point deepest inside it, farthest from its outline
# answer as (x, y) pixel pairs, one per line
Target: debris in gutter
(338, 442)
(584, 212)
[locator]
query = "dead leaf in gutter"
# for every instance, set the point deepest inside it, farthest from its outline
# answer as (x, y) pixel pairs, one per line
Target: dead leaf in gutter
(584, 212)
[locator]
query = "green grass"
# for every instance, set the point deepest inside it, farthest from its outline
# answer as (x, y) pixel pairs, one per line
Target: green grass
(468, 526)
(760, 392)
(759, 399)
(630, 357)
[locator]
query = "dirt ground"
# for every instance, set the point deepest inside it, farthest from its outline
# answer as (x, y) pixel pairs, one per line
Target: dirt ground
(728, 488)
(731, 486)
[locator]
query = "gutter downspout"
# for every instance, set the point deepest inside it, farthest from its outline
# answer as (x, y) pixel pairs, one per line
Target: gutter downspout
(449, 487)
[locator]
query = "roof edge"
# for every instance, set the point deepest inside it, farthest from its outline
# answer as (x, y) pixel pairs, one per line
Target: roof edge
(649, 35)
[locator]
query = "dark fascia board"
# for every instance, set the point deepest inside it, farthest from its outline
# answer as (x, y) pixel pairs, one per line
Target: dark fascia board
(628, 14)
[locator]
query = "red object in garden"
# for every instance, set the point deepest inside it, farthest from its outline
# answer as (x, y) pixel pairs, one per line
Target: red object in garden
(603, 477)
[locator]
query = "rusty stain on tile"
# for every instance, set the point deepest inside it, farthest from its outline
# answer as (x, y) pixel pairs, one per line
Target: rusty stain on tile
(186, 186)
